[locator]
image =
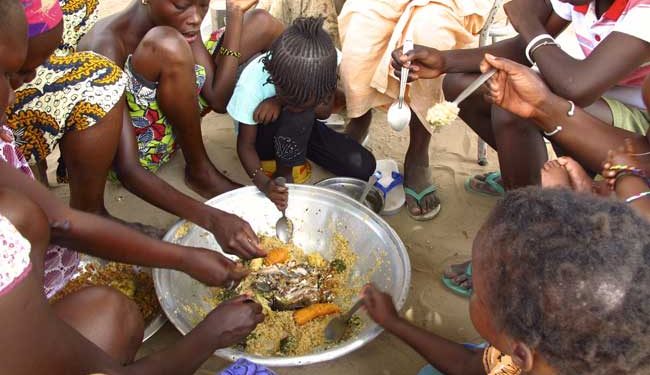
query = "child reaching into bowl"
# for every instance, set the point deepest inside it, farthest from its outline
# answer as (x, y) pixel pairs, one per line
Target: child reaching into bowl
(554, 293)
(277, 103)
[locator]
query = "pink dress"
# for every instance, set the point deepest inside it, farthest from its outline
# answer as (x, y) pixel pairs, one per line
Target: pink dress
(60, 263)
(14, 256)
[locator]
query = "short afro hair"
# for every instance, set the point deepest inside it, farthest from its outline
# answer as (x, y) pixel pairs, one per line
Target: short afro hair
(570, 277)
(302, 63)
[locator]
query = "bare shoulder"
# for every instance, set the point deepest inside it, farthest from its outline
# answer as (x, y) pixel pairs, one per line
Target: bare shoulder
(105, 39)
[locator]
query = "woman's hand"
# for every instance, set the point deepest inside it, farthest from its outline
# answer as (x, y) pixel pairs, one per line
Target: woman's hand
(240, 5)
(268, 111)
(212, 268)
(233, 320)
(279, 195)
(423, 62)
(235, 236)
(516, 88)
(379, 306)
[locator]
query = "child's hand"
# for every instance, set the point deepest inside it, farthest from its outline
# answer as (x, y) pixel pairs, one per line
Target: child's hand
(379, 305)
(268, 111)
(233, 320)
(236, 236)
(212, 268)
(242, 5)
(514, 87)
(424, 62)
(279, 195)
(626, 155)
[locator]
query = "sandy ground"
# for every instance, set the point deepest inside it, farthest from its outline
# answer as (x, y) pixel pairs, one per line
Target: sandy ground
(432, 245)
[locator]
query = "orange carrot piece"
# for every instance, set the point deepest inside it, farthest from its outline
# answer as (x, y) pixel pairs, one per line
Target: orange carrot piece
(309, 313)
(277, 255)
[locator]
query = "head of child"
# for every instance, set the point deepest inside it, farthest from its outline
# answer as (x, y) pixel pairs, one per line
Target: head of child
(302, 65)
(13, 48)
(186, 16)
(561, 283)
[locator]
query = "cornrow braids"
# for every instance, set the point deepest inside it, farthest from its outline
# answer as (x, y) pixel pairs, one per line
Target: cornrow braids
(570, 277)
(302, 63)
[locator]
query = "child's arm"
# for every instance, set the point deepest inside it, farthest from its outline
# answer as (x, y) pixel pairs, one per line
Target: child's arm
(448, 357)
(233, 234)
(220, 81)
(107, 239)
(253, 167)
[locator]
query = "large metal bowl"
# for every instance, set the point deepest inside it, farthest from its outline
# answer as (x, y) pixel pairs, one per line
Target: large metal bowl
(317, 214)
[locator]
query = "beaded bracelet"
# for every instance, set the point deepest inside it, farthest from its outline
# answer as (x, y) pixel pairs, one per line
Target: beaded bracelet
(637, 196)
(223, 51)
(626, 169)
(254, 173)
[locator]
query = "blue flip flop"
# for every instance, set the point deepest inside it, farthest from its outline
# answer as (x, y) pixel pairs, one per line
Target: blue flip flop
(449, 283)
(491, 180)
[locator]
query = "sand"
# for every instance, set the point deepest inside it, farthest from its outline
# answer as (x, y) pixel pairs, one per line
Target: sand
(432, 245)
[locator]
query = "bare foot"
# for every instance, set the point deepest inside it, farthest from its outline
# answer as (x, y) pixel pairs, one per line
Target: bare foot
(555, 175)
(209, 183)
(580, 180)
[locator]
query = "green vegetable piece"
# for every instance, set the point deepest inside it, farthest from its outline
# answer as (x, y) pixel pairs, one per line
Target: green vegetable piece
(338, 265)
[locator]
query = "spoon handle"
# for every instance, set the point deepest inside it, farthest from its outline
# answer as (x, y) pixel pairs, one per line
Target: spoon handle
(354, 309)
(281, 182)
(408, 46)
(474, 85)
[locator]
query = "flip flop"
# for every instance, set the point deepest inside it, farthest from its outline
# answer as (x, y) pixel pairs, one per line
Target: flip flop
(490, 180)
(418, 196)
(449, 283)
(390, 185)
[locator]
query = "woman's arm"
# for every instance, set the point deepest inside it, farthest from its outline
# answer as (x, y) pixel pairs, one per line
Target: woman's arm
(233, 233)
(221, 71)
(107, 239)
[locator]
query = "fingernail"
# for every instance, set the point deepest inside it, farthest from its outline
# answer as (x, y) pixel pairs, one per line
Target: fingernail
(489, 56)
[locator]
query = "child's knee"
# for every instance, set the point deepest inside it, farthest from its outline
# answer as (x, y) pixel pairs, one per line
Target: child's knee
(363, 164)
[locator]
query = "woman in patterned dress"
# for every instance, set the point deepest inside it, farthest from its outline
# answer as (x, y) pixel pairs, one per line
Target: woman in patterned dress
(97, 328)
(173, 78)
(75, 99)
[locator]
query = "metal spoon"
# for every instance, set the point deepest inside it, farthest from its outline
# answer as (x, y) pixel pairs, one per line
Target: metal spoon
(371, 182)
(469, 90)
(336, 327)
(399, 115)
(284, 226)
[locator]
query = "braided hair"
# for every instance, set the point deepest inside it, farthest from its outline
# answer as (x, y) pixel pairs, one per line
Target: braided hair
(570, 278)
(302, 63)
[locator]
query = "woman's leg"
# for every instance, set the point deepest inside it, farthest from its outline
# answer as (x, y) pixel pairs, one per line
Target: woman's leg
(164, 56)
(105, 317)
(88, 156)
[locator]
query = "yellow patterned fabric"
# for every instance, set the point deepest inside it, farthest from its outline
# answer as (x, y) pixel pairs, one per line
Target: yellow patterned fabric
(72, 90)
(497, 363)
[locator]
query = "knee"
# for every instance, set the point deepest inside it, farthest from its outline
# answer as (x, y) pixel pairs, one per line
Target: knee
(123, 314)
(164, 45)
(362, 163)
(454, 83)
(505, 124)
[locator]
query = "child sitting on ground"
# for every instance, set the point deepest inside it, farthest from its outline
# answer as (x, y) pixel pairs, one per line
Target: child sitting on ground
(286, 92)
(560, 287)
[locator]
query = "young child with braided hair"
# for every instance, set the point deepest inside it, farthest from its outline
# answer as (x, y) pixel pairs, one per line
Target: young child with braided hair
(277, 103)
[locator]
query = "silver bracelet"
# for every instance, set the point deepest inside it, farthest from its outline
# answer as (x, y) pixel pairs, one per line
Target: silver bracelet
(555, 131)
(637, 196)
(536, 47)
